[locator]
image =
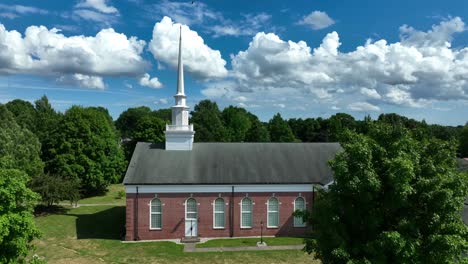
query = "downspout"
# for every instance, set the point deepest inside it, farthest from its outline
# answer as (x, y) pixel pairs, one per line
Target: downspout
(231, 213)
(135, 217)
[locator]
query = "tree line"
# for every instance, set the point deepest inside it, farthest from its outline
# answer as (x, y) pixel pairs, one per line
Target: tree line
(47, 156)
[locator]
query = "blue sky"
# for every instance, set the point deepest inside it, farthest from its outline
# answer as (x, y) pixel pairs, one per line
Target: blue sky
(299, 58)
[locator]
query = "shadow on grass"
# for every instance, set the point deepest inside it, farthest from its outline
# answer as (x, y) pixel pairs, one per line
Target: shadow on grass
(105, 224)
(44, 210)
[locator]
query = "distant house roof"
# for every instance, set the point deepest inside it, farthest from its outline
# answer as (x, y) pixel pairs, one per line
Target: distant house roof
(232, 163)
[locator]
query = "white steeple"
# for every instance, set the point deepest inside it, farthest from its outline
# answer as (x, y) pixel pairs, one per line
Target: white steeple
(179, 135)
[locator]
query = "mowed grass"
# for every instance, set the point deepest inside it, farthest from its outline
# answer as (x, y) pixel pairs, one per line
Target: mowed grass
(91, 234)
(110, 197)
(250, 242)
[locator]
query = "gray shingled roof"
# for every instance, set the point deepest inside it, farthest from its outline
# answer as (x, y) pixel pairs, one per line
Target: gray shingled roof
(232, 163)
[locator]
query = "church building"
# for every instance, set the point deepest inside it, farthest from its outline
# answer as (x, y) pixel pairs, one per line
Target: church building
(186, 190)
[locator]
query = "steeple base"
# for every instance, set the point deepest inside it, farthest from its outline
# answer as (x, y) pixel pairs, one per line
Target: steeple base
(179, 139)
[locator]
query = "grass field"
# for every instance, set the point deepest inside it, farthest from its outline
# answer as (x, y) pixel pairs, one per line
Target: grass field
(250, 242)
(91, 234)
(111, 197)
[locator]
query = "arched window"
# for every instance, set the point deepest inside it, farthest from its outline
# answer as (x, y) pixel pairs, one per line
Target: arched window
(273, 212)
(218, 213)
(155, 214)
(246, 213)
(191, 209)
(299, 204)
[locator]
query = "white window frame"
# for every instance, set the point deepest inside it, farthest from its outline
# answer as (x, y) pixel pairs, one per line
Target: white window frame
(151, 214)
(304, 224)
(242, 211)
(219, 212)
(196, 208)
(268, 212)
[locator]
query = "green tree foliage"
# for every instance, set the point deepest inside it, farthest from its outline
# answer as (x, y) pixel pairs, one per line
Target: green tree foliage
(337, 125)
(149, 128)
(86, 148)
(258, 131)
(238, 123)
(306, 130)
(17, 228)
(280, 130)
(54, 188)
(127, 120)
(24, 113)
(165, 114)
(19, 147)
(208, 123)
(464, 142)
(395, 199)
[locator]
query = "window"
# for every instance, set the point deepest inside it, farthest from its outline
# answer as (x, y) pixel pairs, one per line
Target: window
(155, 214)
(246, 213)
(273, 215)
(299, 204)
(218, 211)
(191, 209)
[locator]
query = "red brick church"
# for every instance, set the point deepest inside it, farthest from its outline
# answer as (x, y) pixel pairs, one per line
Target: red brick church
(181, 189)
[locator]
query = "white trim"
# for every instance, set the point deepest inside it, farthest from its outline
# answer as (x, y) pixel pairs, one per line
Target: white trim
(268, 212)
(218, 188)
(214, 214)
(294, 209)
(196, 208)
(151, 214)
(251, 213)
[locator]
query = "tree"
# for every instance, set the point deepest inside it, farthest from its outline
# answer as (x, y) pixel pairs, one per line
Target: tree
(86, 148)
(24, 113)
(165, 114)
(395, 199)
(237, 122)
(54, 188)
(46, 122)
(258, 131)
(208, 123)
(338, 123)
(464, 142)
(16, 216)
(280, 130)
(19, 147)
(127, 120)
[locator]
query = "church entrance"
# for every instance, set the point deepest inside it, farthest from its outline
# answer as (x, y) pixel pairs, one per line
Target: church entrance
(191, 218)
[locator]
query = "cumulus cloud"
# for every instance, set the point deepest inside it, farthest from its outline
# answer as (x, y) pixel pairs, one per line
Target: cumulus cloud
(199, 59)
(73, 60)
(317, 20)
(99, 5)
(145, 80)
(420, 69)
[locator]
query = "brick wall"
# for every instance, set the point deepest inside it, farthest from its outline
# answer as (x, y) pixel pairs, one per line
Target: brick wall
(173, 211)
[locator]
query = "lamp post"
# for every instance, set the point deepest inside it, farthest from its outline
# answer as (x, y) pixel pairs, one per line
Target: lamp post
(261, 232)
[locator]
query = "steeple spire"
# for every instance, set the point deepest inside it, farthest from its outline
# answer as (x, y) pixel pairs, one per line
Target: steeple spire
(180, 76)
(179, 134)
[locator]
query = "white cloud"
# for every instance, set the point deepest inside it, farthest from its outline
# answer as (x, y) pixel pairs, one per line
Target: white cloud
(99, 5)
(14, 11)
(420, 69)
(145, 80)
(199, 59)
(189, 13)
(363, 107)
(248, 26)
(371, 93)
(75, 59)
(317, 20)
(83, 81)
(95, 16)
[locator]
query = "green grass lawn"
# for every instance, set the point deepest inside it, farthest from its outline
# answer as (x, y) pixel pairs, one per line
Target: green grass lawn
(111, 197)
(92, 235)
(250, 242)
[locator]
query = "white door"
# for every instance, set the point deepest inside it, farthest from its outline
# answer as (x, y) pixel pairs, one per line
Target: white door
(191, 218)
